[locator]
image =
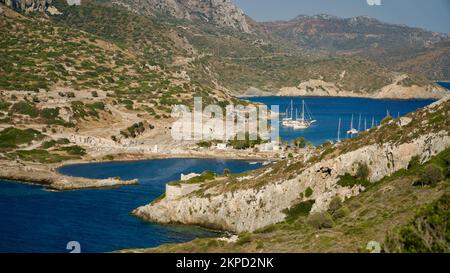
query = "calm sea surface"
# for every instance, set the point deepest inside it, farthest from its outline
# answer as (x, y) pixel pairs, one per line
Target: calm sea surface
(36, 220)
(327, 112)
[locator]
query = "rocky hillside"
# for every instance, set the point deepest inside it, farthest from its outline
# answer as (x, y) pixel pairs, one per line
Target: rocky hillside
(222, 13)
(351, 34)
(229, 58)
(255, 200)
(396, 214)
(393, 45)
(29, 5)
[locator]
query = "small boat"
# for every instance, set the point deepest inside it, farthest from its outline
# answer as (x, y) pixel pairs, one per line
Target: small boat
(352, 130)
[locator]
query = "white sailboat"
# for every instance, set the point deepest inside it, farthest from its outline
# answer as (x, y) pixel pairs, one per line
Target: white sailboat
(287, 121)
(352, 130)
(304, 122)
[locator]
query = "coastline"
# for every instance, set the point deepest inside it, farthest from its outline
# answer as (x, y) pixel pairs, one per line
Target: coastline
(48, 175)
(315, 88)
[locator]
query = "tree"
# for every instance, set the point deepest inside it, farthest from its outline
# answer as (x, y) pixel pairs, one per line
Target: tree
(300, 142)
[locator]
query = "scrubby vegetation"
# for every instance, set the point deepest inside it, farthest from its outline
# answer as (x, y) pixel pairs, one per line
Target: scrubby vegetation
(12, 137)
(427, 232)
(386, 213)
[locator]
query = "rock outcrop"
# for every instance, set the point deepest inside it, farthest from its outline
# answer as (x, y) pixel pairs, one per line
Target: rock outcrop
(48, 176)
(28, 5)
(220, 12)
(395, 90)
(250, 208)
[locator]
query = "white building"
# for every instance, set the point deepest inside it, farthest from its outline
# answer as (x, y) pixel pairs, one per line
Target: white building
(221, 146)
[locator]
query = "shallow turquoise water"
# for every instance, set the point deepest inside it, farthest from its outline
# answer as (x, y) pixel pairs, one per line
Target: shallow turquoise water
(35, 220)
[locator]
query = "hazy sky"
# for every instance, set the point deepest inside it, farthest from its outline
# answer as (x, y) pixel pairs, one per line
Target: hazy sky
(429, 14)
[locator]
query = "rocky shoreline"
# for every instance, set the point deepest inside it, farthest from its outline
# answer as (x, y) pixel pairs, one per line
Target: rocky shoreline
(320, 88)
(49, 177)
(241, 207)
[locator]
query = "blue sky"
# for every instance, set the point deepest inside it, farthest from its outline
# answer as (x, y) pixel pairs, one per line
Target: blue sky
(429, 14)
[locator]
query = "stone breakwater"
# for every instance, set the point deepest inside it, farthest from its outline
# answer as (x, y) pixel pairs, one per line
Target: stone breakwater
(251, 209)
(53, 180)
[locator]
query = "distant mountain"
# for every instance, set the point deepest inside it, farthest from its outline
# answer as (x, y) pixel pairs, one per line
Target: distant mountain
(398, 46)
(222, 13)
(351, 34)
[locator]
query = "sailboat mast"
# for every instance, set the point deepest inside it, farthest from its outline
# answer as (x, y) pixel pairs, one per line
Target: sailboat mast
(351, 123)
(359, 123)
(365, 124)
(303, 110)
(339, 131)
(373, 122)
(292, 109)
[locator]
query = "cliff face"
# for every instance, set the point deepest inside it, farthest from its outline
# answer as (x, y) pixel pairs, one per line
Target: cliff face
(220, 12)
(28, 5)
(247, 208)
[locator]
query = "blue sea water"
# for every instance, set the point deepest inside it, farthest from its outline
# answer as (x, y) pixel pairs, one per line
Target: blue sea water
(445, 84)
(328, 110)
(36, 220)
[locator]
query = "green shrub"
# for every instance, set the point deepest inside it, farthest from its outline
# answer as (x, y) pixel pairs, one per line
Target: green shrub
(204, 144)
(363, 171)
(41, 156)
(347, 180)
(300, 142)
(414, 162)
(244, 238)
(4, 105)
(341, 212)
(430, 176)
(427, 232)
(301, 209)
(335, 205)
(321, 220)
(74, 150)
(308, 192)
(11, 137)
(205, 176)
(25, 108)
